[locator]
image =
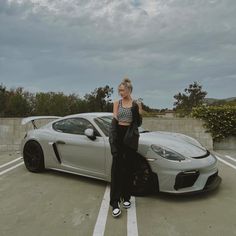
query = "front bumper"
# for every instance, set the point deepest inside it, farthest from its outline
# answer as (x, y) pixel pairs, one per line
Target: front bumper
(212, 183)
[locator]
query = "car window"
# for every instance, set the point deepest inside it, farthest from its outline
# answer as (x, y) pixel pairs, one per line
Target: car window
(74, 126)
(104, 123)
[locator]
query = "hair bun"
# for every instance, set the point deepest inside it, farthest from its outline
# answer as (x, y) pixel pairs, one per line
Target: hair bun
(126, 80)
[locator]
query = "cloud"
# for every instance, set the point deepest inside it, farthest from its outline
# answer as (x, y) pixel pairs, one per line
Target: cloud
(162, 45)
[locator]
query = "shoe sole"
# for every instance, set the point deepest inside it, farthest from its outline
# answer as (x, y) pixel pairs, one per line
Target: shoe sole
(116, 214)
(126, 207)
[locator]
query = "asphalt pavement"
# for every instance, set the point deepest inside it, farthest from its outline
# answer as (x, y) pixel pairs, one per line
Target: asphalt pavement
(56, 203)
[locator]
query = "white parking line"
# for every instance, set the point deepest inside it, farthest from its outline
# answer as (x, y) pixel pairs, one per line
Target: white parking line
(8, 163)
(100, 225)
(225, 162)
(11, 168)
(132, 228)
(231, 158)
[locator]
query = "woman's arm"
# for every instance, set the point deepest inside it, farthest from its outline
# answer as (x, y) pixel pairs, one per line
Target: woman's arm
(115, 109)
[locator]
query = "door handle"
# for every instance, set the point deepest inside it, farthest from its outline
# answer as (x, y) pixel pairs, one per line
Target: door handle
(60, 142)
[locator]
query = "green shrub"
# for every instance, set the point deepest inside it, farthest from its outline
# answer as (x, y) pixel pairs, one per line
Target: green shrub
(220, 121)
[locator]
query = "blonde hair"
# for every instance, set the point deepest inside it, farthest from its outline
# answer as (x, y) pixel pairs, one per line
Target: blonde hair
(127, 84)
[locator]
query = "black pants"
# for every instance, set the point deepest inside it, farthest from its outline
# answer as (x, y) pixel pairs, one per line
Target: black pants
(121, 170)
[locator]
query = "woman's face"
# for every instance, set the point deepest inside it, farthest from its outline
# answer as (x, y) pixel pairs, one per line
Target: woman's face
(123, 91)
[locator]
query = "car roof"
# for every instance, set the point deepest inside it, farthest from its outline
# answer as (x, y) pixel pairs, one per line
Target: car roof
(89, 114)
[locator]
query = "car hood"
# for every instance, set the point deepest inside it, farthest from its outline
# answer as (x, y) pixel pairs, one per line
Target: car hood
(175, 143)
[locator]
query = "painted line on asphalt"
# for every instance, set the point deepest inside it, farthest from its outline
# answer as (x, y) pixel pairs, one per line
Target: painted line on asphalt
(231, 158)
(11, 168)
(8, 163)
(225, 162)
(100, 225)
(132, 227)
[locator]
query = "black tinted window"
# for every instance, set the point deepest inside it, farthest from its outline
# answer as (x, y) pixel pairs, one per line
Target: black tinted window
(104, 123)
(74, 126)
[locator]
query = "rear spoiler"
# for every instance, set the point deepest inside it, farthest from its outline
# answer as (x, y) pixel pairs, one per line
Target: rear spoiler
(33, 118)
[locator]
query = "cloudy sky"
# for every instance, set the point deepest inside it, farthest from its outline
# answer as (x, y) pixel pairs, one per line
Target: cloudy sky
(75, 46)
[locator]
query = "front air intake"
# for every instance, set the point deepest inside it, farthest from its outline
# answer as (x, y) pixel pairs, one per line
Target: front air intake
(186, 179)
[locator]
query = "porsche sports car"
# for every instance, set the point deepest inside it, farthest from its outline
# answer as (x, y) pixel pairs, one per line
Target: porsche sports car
(79, 144)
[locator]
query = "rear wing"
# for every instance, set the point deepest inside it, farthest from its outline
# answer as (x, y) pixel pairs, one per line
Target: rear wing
(32, 119)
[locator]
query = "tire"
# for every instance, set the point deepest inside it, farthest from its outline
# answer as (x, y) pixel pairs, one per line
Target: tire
(33, 157)
(144, 181)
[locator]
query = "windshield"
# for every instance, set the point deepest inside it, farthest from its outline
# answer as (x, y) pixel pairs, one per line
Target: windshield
(104, 123)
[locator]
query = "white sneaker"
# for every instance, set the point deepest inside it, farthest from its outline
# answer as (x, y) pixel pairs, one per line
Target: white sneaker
(116, 210)
(126, 204)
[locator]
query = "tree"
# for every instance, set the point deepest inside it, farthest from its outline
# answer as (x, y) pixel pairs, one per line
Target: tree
(17, 104)
(99, 99)
(75, 104)
(3, 98)
(20, 103)
(147, 108)
(52, 103)
(193, 97)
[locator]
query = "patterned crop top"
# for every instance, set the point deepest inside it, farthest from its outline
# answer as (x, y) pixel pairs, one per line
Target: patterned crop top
(124, 113)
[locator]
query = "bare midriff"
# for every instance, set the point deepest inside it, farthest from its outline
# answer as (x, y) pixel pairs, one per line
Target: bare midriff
(123, 123)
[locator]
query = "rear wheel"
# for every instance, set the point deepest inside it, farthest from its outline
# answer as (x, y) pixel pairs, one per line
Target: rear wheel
(33, 156)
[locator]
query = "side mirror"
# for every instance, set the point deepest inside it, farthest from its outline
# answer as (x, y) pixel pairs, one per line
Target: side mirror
(90, 133)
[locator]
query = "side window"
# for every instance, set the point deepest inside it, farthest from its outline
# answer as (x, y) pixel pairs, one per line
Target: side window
(74, 126)
(104, 123)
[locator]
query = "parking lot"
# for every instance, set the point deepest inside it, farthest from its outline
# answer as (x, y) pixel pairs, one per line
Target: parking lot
(56, 203)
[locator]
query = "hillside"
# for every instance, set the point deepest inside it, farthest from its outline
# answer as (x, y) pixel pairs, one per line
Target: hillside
(211, 101)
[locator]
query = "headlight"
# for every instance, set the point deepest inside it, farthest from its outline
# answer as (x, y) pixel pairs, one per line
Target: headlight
(167, 153)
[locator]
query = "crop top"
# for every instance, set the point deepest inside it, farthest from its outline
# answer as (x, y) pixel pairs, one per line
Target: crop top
(124, 113)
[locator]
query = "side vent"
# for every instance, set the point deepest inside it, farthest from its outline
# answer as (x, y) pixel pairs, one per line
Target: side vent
(56, 152)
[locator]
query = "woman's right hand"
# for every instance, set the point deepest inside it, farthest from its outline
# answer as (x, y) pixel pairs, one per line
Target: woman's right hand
(115, 108)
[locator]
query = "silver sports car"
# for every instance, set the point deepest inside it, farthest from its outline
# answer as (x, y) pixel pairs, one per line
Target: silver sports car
(166, 161)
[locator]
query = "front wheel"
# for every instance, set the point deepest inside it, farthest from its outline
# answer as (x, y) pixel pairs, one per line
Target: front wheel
(144, 181)
(33, 156)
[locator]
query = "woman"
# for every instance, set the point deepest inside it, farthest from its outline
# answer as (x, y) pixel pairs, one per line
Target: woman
(123, 138)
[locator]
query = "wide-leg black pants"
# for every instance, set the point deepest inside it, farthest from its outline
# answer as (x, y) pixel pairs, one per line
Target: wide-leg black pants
(121, 170)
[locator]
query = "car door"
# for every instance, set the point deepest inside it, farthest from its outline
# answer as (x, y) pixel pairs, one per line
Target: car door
(76, 150)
